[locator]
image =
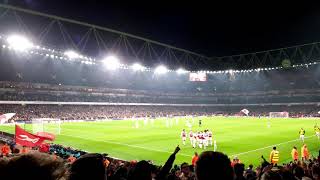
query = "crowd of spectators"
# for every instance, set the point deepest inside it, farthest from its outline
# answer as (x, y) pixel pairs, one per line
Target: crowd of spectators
(102, 112)
(86, 112)
(154, 99)
(10, 91)
(62, 163)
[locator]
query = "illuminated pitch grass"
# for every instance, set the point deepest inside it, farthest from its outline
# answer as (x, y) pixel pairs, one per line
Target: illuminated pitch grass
(248, 138)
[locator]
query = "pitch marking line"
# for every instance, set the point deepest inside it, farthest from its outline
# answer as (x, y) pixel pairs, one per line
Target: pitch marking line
(129, 145)
(182, 154)
(286, 142)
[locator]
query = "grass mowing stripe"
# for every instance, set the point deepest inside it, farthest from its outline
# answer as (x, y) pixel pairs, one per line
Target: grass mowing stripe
(128, 145)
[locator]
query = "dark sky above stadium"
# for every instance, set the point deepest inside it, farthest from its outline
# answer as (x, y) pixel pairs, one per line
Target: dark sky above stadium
(207, 28)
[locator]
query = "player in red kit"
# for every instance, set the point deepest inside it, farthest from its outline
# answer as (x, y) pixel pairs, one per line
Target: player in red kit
(184, 136)
(210, 137)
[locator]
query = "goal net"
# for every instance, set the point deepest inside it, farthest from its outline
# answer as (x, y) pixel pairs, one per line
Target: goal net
(279, 114)
(49, 125)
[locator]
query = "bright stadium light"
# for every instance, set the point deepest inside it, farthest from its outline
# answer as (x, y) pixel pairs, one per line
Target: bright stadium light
(161, 70)
(71, 54)
(19, 42)
(111, 62)
(181, 71)
(137, 67)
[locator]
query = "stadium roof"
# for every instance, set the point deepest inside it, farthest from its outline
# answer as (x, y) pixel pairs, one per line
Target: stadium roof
(57, 32)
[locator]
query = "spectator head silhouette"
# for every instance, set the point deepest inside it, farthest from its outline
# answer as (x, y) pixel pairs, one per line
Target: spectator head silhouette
(142, 171)
(185, 168)
(271, 175)
(213, 165)
(88, 166)
(35, 166)
(238, 170)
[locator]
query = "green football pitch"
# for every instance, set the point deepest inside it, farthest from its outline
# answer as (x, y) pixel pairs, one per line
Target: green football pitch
(245, 137)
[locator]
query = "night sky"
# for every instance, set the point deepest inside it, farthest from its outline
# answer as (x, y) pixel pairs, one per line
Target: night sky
(210, 29)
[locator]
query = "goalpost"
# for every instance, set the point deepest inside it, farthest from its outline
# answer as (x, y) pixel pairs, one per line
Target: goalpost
(283, 114)
(50, 125)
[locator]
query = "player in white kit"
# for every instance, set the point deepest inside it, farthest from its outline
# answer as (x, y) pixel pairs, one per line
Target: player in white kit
(183, 137)
(200, 139)
(191, 137)
(188, 124)
(194, 142)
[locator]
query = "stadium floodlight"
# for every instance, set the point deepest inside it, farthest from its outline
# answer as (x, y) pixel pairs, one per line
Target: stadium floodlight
(137, 67)
(161, 70)
(19, 42)
(111, 62)
(181, 71)
(71, 54)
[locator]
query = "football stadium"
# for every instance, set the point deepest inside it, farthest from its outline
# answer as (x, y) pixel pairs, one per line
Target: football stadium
(74, 96)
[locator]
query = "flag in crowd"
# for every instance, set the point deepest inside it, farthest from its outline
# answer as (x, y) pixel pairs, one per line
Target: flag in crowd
(25, 138)
(6, 117)
(245, 111)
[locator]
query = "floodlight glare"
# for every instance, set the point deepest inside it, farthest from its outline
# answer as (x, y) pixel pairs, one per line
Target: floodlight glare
(111, 62)
(71, 54)
(181, 71)
(137, 67)
(161, 70)
(18, 42)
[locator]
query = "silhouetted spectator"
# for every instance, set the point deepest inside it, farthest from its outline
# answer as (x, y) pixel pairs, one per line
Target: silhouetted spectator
(141, 171)
(35, 166)
(213, 165)
(88, 166)
(298, 172)
(238, 171)
(271, 175)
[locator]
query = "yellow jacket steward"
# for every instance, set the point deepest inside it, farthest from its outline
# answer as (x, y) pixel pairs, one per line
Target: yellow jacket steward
(274, 156)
